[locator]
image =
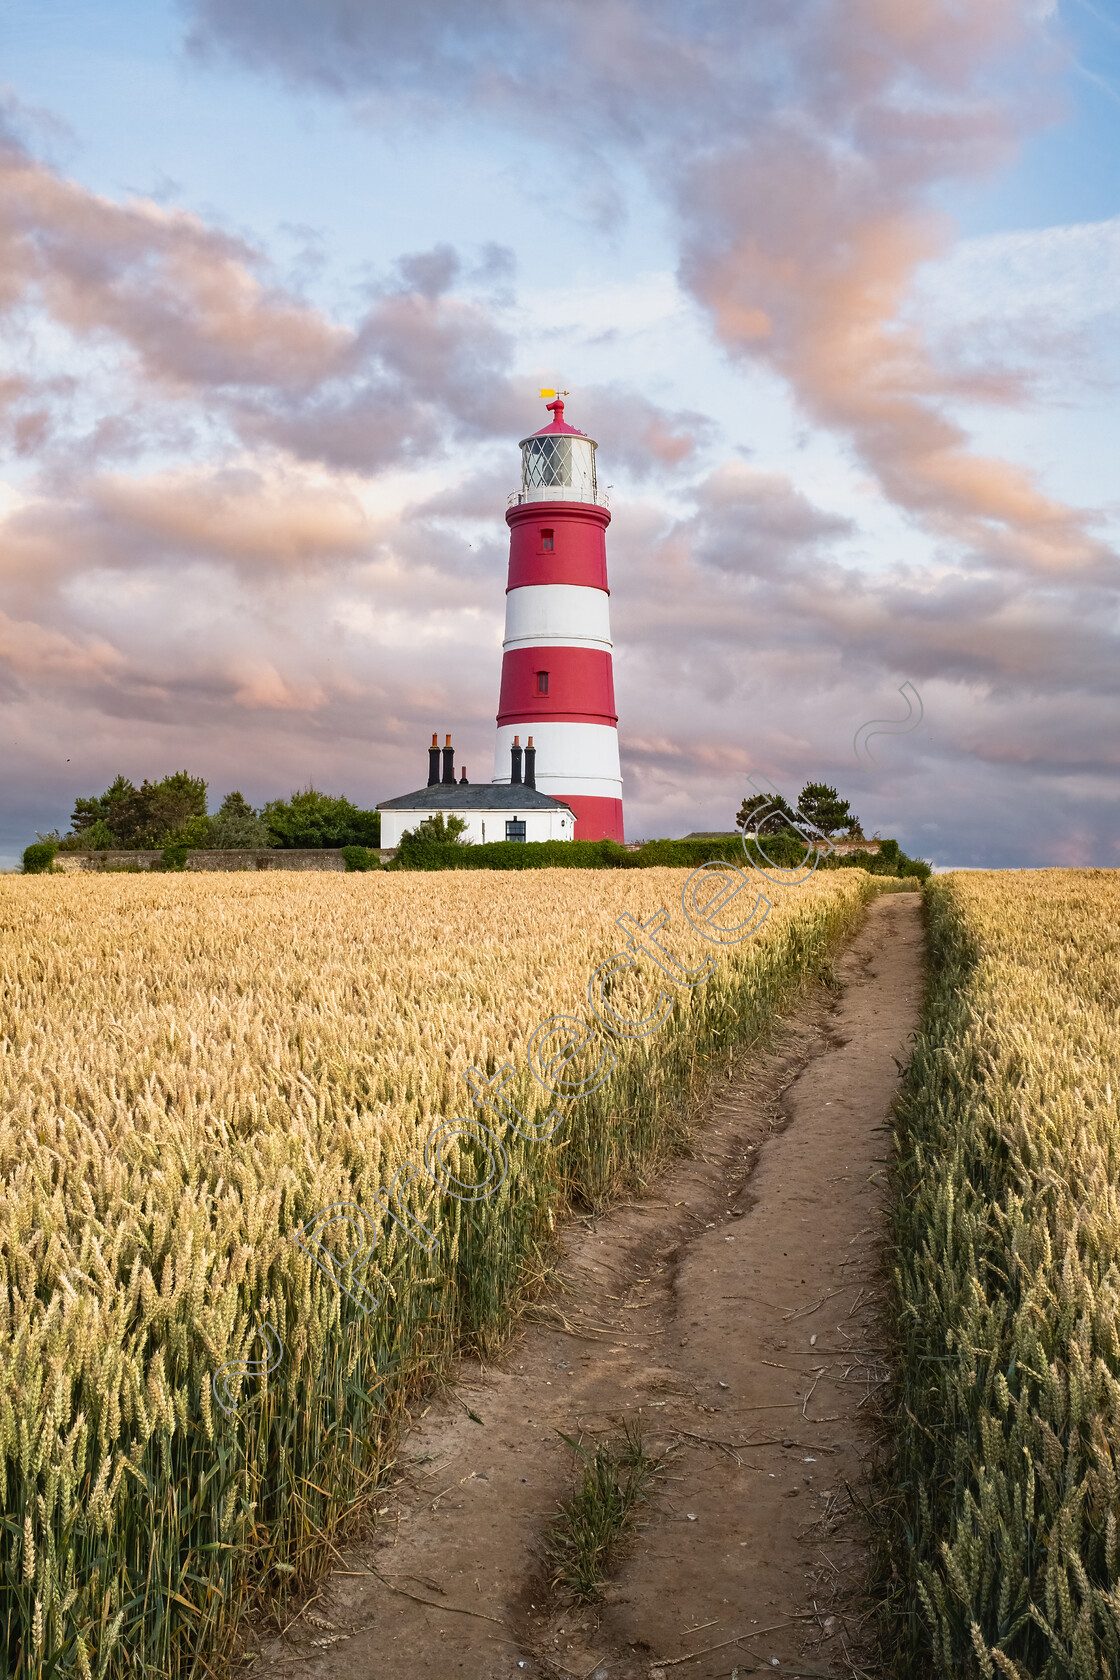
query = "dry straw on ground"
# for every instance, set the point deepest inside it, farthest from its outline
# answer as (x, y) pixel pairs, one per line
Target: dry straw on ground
(1008, 1284)
(191, 1069)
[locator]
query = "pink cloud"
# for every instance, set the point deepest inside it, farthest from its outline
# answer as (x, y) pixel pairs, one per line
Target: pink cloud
(34, 653)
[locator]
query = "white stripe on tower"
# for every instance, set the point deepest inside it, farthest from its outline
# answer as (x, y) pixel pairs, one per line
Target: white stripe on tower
(557, 614)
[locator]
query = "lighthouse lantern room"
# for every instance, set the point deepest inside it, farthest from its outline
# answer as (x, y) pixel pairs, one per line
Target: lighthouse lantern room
(557, 675)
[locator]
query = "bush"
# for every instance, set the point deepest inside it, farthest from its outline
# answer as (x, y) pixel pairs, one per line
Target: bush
(39, 858)
(174, 857)
(360, 857)
(95, 837)
(310, 818)
(435, 843)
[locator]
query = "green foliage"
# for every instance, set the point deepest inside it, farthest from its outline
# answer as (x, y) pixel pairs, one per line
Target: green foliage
(360, 857)
(194, 832)
(783, 851)
(825, 809)
(513, 854)
(435, 843)
(817, 803)
(890, 859)
(775, 823)
(96, 837)
(39, 858)
(311, 818)
(237, 827)
(87, 812)
(174, 857)
(156, 814)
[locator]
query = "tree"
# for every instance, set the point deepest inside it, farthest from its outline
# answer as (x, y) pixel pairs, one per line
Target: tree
(311, 818)
(86, 812)
(237, 827)
(825, 809)
(776, 823)
(170, 811)
(156, 814)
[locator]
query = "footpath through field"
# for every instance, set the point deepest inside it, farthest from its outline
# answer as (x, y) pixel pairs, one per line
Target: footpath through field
(736, 1308)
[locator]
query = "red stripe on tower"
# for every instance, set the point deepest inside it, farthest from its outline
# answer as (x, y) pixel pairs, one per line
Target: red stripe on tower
(557, 676)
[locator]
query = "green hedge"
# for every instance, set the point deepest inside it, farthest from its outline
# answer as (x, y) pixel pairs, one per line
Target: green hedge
(783, 851)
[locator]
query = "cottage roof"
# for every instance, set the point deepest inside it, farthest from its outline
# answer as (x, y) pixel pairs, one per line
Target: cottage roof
(474, 796)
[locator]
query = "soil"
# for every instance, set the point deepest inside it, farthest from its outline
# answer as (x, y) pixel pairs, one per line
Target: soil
(736, 1308)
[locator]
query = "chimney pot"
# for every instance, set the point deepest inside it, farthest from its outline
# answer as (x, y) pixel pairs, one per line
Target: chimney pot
(463, 777)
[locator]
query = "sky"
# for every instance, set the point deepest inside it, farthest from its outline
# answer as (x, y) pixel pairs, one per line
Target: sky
(833, 283)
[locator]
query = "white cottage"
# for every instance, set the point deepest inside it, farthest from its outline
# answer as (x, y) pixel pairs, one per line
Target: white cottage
(491, 810)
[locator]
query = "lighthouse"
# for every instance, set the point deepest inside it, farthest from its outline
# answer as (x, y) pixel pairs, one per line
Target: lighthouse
(557, 675)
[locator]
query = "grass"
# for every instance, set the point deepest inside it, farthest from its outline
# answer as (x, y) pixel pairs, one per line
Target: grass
(583, 1543)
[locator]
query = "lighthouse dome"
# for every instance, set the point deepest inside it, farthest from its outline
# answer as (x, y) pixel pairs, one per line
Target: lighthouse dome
(558, 463)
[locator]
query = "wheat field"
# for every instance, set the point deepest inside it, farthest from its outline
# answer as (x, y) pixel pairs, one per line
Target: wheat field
(1006, 1551)
(192, 1068)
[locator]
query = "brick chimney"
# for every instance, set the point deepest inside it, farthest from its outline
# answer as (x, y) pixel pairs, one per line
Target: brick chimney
(433, 762)
(448, 762)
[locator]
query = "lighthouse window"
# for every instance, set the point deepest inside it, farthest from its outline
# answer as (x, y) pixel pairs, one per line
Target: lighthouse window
(546, 542)
(548, 461)
(515, 830)
(542, 682)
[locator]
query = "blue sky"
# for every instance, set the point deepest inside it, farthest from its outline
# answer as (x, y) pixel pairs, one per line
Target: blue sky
(837, 295)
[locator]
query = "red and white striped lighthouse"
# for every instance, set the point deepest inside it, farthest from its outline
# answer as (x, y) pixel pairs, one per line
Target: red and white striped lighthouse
(557, 676)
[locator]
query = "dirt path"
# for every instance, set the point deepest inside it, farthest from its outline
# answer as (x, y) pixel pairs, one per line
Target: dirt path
(736, 1308)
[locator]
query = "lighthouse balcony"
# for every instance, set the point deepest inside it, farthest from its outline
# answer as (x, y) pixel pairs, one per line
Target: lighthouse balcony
(559, 493)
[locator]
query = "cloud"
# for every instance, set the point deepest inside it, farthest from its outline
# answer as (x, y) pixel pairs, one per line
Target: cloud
(799, 152)
(32, 652)
(644, 438)
(246, 515)
(197, 318)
